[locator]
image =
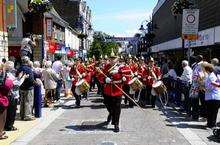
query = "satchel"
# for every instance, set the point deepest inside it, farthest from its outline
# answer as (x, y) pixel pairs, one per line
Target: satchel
(4, 102)
(194, 93)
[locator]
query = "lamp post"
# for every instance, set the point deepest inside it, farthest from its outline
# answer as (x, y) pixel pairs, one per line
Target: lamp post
(147, 29)
(83, 35)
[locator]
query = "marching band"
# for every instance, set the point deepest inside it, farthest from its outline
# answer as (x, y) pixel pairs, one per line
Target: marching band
(117, 77)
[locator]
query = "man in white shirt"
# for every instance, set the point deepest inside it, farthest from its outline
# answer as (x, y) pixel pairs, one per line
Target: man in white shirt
(186, 81)
(58, 68)
(187, 72)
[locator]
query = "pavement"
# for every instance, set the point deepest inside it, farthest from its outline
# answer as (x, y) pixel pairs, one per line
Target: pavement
(66, 125)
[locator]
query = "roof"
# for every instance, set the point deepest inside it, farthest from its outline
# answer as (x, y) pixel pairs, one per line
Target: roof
(56, 17)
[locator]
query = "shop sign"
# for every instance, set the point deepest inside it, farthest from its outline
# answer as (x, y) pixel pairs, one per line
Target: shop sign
(205, 38)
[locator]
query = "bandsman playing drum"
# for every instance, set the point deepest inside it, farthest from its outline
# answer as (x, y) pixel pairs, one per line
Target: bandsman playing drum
(79, 81)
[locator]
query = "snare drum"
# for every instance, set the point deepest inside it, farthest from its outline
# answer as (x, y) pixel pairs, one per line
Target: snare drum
(83, 86)
(135, 84)
(159, 87)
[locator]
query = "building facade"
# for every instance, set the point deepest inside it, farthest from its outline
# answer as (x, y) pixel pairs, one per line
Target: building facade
(78, 15)
(168, 34)
(3, 31)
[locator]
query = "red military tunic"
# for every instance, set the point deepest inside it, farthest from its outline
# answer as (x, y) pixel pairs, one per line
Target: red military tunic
(140, 71)
(127, 73)
(110, 89)
(75, 75)
(149, 79)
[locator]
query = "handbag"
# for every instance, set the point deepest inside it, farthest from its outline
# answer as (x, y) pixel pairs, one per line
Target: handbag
(193, 93)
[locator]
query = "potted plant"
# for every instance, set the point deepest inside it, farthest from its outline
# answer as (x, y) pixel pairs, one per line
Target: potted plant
(40, 6)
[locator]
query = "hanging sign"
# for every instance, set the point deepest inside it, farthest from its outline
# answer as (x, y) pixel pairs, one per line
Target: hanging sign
(11, 14)
(49, 28)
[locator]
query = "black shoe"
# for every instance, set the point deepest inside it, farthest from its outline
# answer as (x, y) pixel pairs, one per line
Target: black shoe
(116, 129)
(109, 119)
(77, 106)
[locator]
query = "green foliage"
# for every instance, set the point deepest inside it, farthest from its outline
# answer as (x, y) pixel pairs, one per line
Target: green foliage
(179, 5)
(102, 45)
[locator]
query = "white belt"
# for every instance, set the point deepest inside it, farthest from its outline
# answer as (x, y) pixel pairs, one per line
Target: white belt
(117, 82)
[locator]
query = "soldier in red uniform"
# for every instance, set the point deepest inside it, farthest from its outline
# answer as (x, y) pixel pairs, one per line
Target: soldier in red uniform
(128, 74)
(100, 76)
(140, 72)
(113, 91)
(77, 73)
(152, 75)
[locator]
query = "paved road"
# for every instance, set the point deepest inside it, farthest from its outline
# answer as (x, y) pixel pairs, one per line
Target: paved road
(84, 126)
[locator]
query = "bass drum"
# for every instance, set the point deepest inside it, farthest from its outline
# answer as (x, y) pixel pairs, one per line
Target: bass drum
(135, 84)
(82, 86)
(159, 87)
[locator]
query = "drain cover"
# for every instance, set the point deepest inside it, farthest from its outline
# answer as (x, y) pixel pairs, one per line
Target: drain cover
(108, 143)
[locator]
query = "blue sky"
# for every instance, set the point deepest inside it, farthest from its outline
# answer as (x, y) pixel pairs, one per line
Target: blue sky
(120, 17)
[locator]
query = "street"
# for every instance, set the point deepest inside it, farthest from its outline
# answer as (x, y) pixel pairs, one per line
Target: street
(85, 126)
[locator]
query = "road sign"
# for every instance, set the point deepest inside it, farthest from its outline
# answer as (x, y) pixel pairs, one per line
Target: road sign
(190, 24)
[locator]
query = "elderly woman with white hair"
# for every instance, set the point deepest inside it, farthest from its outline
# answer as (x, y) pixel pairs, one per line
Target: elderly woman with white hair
(38, 89)
(14, 94)
(50, 78)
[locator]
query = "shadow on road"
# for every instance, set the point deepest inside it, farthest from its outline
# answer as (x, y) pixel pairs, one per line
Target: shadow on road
(89, 126)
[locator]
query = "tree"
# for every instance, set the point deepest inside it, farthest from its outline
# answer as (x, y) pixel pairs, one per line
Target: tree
(102, 45)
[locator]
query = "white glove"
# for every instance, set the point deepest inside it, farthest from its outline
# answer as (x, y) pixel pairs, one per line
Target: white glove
(114, 71)
(108, 80)
(124, 79)
(135, 73)
(73, 79)
(83, 75)
(139, 76)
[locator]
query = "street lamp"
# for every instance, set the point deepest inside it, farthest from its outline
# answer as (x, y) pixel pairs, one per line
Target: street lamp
(142, 28)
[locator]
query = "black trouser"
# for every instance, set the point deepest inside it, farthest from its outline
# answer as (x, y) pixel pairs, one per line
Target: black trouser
(142, 99)
(99, 85)
(11, 112)
(212, 112)
(203, 107)
(77, 97)
(58, 90)
(113, 105)
(187, 100)
(195, 107)
(126, 89)
(151, 99)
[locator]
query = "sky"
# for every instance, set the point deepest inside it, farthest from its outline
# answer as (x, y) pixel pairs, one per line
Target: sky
(120, 17)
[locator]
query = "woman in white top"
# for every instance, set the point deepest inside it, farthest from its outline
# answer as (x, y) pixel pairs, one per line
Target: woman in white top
(212, 94)
(50, 78)
(171, 72)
